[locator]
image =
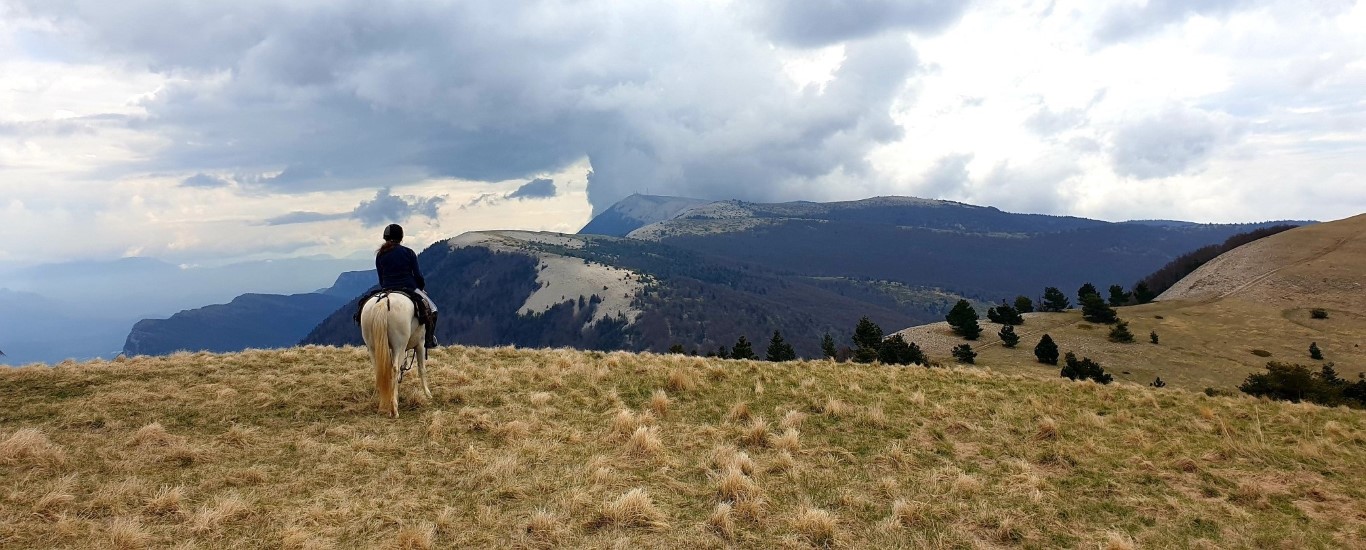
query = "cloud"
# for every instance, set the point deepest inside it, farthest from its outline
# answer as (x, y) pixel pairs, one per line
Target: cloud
(948, 177)
(1129, 21)
(383, 209)
(1169, 143)
(539, 188)
(1047, 122)
(205, 181)
(351, 94)
(813, 23)
(388, 208)
(306, 217)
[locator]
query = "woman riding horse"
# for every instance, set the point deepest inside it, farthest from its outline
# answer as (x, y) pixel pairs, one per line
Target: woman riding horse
(398, 270)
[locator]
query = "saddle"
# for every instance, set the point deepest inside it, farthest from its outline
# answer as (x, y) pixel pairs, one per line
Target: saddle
(421, 312)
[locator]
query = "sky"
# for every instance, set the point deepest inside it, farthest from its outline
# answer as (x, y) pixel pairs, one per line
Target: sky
(211, 132)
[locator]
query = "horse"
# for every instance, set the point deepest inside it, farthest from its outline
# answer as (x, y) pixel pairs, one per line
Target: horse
(390, 329)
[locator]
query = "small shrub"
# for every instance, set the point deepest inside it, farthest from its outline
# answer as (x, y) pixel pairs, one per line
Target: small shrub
(1008, 337)
(1084, 369)
(1046, 351)
(1314, 352)
(1158, 383)
(1152, 336)
(1120, 333)
(1318, 313)
(964, 354)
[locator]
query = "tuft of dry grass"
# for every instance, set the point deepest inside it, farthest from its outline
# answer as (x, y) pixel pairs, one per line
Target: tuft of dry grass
(816, 526)
(727, 457)
(645, 442)
(837, 408)
(222, 510)
(543, 529)
(633, 509)
(756, 433)
(624, 423)
(152, 435)
(681, 380)
(790, 440)
(739, 412)
(1048, 429)
(659, 403)
(721, 521)
(416, 537)
(167, 503)
(792, 419)
(733, 486)
(127, 533)
(30, 448)
(908, 513)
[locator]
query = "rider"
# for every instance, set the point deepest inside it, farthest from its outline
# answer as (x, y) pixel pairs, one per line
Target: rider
(398, 270)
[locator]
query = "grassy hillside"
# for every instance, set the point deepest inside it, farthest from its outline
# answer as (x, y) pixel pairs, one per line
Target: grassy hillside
(581, 449)
(1226, 320)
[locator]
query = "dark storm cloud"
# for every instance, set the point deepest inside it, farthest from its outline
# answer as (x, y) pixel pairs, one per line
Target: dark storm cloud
(539, 188)
(812, 23)
(1170, 143)
(384, 208)
(354, 94)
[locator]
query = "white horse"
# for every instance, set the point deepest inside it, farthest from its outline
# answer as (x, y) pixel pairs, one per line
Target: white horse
(390, 329)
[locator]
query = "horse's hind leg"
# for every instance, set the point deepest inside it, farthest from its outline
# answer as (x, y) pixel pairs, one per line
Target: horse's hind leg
(422, 372)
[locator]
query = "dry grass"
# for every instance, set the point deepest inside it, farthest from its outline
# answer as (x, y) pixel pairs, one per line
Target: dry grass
(558, 448)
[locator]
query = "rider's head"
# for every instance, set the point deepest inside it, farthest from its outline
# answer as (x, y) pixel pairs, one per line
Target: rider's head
(394, 232)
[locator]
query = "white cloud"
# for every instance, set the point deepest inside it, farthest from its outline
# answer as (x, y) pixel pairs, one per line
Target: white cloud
(177, 129)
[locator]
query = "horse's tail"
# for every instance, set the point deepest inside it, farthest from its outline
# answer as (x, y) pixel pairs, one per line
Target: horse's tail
(378, 327)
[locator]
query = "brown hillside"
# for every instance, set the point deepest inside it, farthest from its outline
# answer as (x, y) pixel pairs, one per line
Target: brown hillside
(568, 449)
(1225, 321)
(1325, 263)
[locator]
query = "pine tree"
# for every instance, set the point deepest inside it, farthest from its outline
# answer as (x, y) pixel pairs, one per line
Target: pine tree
(723, 352)
(867, 340)
(676, 348)
(828, 346)
(1094, 309)
(1023, 304)
(1046, 351)
(1085, 289)
(1153, 336)
(1007, 315)
(1117, 296)
(1120, 333)
(742, 349)
(963, 319)
(1008, 336)
(1084, 369)
(779, 350)
(1314, 352)
(1142, 294)
(964, 354)
(897, 351)
(1053, 300)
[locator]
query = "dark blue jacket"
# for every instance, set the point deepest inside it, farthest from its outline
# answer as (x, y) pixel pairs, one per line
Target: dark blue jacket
(398, 269)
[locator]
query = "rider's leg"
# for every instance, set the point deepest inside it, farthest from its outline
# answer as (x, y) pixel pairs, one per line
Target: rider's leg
(430, 321)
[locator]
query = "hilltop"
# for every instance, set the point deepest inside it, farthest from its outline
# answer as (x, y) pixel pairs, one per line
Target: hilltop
(1226, 320)
(560, 448)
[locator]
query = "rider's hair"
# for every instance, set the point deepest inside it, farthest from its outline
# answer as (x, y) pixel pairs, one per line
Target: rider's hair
(387, 246)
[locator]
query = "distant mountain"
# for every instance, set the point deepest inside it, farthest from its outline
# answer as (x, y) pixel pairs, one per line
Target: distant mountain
(597, 292)
(704, 273)
(248, 321)
(636, 211)
(976, 251)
